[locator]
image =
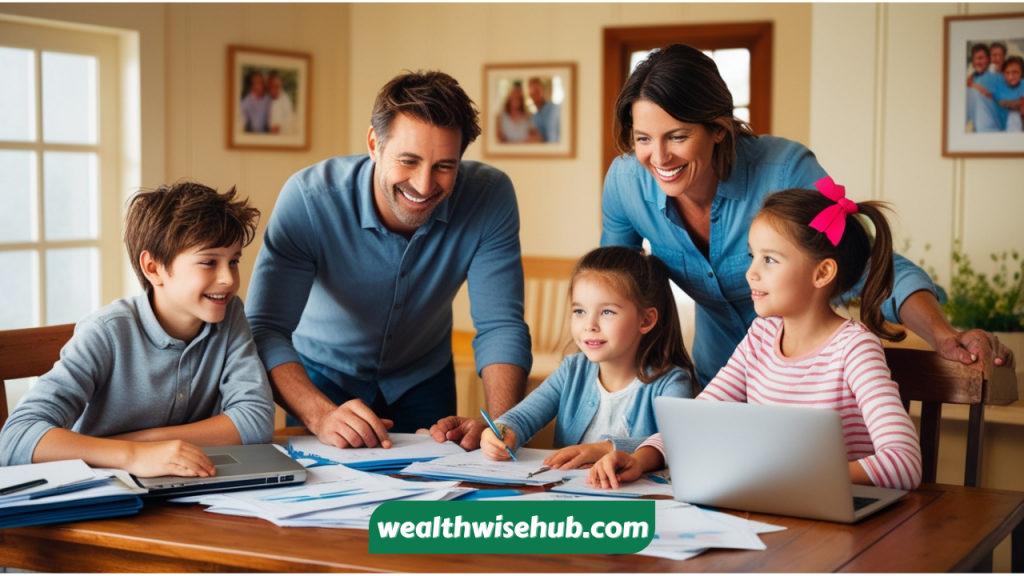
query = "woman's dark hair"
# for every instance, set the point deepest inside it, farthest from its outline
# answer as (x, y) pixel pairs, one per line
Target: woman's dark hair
(791, 212)
(685, 83)
(644, 281)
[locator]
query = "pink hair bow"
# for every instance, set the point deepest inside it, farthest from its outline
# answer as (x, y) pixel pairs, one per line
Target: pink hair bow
(832, 220)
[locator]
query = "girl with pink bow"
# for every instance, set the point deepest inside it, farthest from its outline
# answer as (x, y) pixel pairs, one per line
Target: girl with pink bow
(807, 248)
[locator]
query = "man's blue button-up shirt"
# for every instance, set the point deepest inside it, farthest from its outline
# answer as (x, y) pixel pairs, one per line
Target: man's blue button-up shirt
(635, 208)
(333, 284)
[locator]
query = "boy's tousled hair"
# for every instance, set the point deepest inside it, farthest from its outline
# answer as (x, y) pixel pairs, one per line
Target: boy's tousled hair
(686, 84)
(791, 212)
(1014, 60)
(980, 48)
(644, 281)
(432, 97)
(180, 216)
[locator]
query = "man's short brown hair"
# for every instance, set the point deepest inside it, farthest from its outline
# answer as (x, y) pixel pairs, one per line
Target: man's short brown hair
(432, 97)
(177, 217)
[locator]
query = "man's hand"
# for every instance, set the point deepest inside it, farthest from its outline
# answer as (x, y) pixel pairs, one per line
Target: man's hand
(170, 458)
(465, 431)
(353, 425)
(613, 469)
(572, 457)
(493, 448)
(975, 348)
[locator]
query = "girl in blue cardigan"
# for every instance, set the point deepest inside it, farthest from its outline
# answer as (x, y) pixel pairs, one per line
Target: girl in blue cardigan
(625, 322)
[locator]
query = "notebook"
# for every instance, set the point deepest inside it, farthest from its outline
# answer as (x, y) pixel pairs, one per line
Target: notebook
(776, 460)
(238, 467)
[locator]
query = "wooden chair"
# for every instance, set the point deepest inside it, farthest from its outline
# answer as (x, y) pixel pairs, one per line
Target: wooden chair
(546, 311)
(926, 377)
(29, 352)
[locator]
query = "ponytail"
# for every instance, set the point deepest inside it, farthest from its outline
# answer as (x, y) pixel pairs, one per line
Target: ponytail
(662, 347)
(878, 284)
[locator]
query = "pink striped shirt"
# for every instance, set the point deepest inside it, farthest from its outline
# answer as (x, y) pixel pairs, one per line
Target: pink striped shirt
(848, 374)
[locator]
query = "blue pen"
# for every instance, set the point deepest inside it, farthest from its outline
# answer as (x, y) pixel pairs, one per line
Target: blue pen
(497, 433)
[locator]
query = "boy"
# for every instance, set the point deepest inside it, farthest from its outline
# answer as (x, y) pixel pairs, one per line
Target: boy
(982, 111)
(147, 378)
(1010, 95)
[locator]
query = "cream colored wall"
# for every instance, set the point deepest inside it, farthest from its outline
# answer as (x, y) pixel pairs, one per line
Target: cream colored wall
(197, 40)
(876, 125)
(559, 200)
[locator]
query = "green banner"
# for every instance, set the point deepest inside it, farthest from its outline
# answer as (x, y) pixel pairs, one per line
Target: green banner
(512, 527)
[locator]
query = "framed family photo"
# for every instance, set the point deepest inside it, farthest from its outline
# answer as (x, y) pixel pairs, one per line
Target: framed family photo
(268, 99)
(530, 110)
(982, 89)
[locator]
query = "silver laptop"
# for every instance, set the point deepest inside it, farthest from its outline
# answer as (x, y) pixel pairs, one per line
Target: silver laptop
(238, 468)
(788, 461)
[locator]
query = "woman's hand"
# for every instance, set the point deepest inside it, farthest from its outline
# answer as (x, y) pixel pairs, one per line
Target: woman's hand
(575, 456)
(494, 449)
(976, 347)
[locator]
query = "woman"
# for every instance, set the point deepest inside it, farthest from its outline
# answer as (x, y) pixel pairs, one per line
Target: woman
(514, 124)
(690, 180)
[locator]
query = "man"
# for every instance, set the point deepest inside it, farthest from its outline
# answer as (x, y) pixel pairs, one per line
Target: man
(547, 118)
(351, 297)
(282, 112)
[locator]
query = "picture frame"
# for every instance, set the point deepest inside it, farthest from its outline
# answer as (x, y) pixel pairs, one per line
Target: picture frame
(974, 124)
(268, 105)
(514, 126)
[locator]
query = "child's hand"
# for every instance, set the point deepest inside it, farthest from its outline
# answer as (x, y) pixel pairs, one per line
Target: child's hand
(575, 456)
(170, 458)
(613, 469)
(493, 448)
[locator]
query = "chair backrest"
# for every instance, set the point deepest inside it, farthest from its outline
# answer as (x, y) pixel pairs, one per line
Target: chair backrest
(546, 302)
(29, 352)
(926, 377)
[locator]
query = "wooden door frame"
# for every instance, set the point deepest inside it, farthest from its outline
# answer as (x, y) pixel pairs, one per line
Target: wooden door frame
(619, 43)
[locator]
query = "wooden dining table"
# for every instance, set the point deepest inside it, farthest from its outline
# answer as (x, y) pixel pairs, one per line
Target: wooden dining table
(937, 528)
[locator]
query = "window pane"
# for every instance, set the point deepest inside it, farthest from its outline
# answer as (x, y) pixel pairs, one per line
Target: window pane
(19, 305)
(72, 284)
(16, 389)
(70, 184)
(636, 57)
(69, 98)
(17, 195)
(17, 95)
(734, 66)
(742, 114)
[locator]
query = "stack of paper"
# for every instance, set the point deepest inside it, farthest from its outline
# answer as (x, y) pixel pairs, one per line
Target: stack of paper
(644, 486)
(474, 467)
(332, 497)
(684, 531)
(72, 492)
(405, 449)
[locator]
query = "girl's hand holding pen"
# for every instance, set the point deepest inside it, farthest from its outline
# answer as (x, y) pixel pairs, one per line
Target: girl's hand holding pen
(494, 449)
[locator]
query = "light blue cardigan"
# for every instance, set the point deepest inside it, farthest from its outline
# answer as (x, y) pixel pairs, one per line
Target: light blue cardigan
(571, 394)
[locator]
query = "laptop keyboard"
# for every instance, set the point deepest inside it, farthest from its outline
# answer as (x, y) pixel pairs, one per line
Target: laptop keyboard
(860, 502)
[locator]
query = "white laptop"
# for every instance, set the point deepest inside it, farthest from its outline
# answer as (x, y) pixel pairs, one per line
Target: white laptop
(788, 461)
(238, 468)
